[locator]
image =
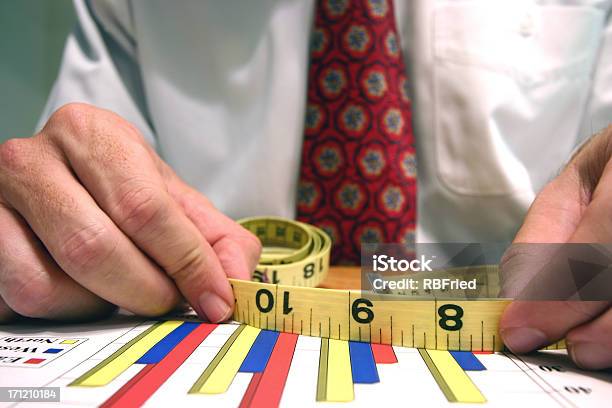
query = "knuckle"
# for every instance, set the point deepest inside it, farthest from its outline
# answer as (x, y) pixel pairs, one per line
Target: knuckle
(253, 240)
(87, 248)
(140, 208)
(249, 245)
(187, 267)
(14, 154)
(131, 131)
(75, 116)
(253, 245)
(80, 121)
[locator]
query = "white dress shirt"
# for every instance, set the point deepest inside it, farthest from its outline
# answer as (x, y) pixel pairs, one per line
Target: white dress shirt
(502, 91)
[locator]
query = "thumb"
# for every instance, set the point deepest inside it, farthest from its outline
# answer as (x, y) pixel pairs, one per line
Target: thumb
(555, 216)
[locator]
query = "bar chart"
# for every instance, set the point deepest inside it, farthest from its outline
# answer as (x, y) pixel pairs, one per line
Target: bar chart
(267, 354)
(188, 363)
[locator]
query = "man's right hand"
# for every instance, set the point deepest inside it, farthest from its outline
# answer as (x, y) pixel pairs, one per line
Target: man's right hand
(91, 218)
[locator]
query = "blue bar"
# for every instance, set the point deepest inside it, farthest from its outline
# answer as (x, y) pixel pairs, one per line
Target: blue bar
(467, 360)
(363, 365)
(165, 345)
(260, 352)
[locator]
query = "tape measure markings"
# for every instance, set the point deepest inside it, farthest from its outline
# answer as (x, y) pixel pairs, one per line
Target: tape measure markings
(283, 294)
(355, 315)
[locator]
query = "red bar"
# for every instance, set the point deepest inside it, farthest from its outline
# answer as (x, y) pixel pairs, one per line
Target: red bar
(250, 391)
(135, 392)
(383, 354)
(482, 352)
(269, 389)
(34, 361)
(126, 387)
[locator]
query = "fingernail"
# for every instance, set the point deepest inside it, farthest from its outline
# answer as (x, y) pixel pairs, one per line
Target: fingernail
(590, 355)
(523, 339)
(214, 307)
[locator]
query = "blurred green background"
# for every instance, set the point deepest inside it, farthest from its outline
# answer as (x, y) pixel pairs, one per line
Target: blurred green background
(32, 35)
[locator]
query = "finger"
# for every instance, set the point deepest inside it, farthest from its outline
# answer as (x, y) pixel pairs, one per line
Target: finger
(529, 325)
(573, 208)
(237, 248)
(118, 171)
(552, 218)
(555, 319)
(82, 240)
(556, 211)
(595, 225)
(590, 345)
(32, 285)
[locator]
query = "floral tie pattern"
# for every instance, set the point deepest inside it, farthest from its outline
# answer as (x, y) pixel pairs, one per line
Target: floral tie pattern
(358, 170)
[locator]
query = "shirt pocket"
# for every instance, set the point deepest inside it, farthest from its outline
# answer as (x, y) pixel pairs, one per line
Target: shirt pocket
(506, 72)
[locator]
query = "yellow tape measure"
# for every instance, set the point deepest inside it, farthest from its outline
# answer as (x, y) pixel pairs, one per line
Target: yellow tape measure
(295, 258)
(293, 253)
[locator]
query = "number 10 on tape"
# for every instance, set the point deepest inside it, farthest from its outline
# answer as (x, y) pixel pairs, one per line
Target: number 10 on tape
(359, 316)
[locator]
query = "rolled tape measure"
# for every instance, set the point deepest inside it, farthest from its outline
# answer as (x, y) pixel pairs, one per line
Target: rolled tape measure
(282, 297)
(294, 253)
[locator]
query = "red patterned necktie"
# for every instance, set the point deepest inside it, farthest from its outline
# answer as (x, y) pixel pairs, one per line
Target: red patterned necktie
(358, 170)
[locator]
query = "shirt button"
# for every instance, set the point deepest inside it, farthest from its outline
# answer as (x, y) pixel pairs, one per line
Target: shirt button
(526, 26)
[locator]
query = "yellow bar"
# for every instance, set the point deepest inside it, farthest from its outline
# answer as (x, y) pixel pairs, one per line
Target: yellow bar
(222, 376)
(322, 377)
(339, 374)
(454, 382)
(212, 366)
(110, 368)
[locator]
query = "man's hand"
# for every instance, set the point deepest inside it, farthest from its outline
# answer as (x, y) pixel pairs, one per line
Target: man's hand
(576, 207)
(91, 217)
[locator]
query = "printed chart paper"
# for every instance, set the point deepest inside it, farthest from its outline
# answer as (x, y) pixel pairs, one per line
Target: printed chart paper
(126, 361)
